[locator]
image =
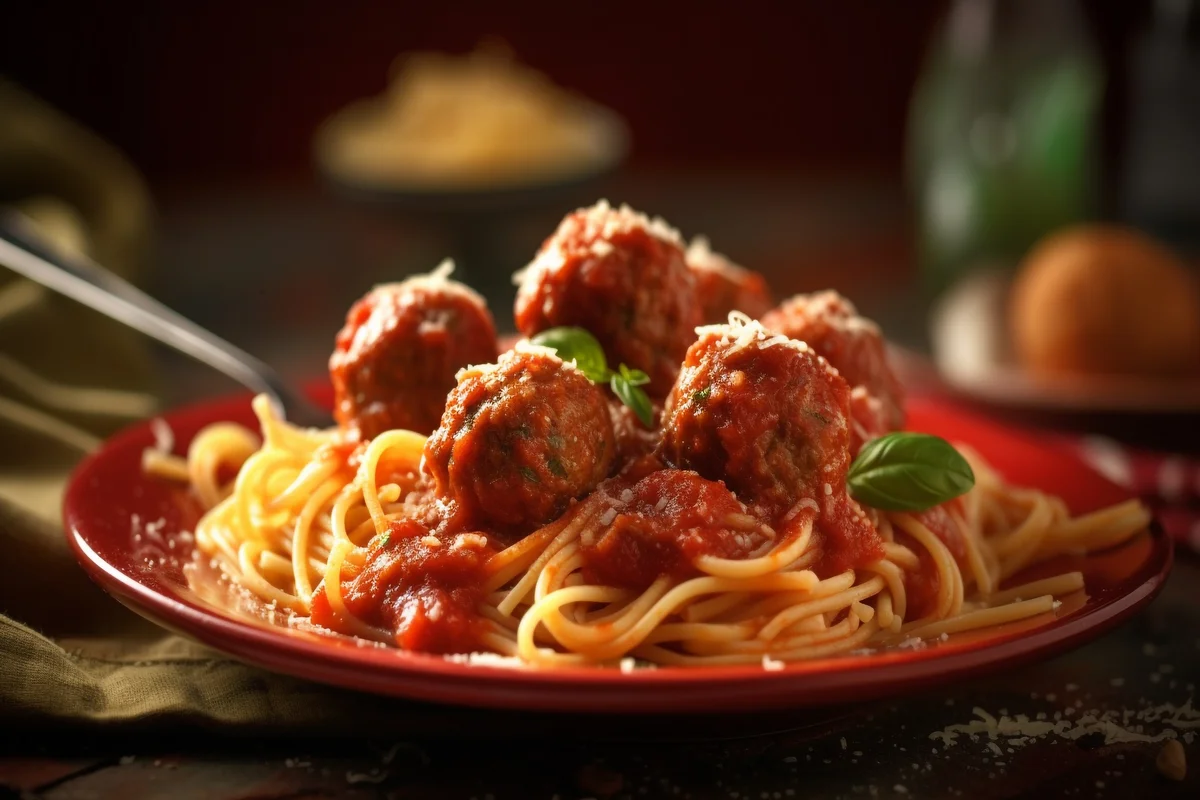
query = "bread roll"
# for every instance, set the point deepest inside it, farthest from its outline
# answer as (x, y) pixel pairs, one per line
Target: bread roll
(1105, 300)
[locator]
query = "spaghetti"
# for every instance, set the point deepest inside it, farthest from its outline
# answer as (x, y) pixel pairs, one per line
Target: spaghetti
(300, 514)
(701, 512)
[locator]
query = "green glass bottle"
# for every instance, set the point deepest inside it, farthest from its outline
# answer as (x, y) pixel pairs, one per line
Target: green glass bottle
(1003, 133)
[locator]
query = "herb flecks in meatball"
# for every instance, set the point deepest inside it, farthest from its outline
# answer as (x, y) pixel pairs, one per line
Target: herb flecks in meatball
(519, 440)
(396, 357)
(770, 418)
(831, 326)
(723, 286)
(623, 277)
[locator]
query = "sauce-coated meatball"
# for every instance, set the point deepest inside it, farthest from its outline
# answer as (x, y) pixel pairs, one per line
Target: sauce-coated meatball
(831, 326)
(519, 440)
(395, 360)
(723, 286)
(770, 418)
(621, 276)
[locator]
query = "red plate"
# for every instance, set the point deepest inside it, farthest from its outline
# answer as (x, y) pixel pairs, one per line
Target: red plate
(109, 500)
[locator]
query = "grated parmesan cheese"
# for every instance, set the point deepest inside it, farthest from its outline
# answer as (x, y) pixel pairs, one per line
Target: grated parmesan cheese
(831, 308)
(384, 316)
(164, 437)
(625, 219)
(522, 347)
(771, 665)
(599, 225)
(530, 349)
(374, 776)
(1174, 722)
(483, 659)
(701, 257)
(476, 540)
(742, 332)
(547, 261)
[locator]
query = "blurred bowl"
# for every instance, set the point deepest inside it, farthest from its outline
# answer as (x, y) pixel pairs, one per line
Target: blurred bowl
(560, 189)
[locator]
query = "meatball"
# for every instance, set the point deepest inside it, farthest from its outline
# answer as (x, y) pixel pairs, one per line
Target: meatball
(723, 286)
(770, 418)
(831, 326)
(520, 439)
(395, 360)
(621, 276)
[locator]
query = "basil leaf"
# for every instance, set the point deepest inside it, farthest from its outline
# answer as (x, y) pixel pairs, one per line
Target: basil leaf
(908, 472)
(633, 397)
(578, 345)
(634, 377)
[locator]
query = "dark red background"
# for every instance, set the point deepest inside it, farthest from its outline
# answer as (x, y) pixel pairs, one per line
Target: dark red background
(235, 88)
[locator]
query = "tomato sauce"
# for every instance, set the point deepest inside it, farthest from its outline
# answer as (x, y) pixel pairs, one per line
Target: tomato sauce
(922, 586)
(345, 452)
(943, 526)
(845, 536)
(427, 595)
(663, 523)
